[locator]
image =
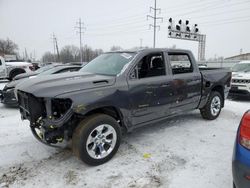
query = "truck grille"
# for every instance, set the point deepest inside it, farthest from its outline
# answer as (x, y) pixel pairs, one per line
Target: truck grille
(23, 104)
(240, 81)
(31, 107)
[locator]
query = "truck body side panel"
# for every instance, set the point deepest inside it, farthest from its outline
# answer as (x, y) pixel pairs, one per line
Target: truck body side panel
(213, 78)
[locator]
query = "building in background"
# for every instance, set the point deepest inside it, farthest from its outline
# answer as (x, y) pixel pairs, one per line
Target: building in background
(245, 56)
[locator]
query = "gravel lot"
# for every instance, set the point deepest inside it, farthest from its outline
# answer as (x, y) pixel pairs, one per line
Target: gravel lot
(185, 151)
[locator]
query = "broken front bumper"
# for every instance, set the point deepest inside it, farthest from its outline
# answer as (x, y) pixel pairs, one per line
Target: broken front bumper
(45, 126)
(8, 97)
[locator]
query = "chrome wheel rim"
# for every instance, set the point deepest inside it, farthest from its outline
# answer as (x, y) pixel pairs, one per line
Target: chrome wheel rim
(101, 141)
(215, 106)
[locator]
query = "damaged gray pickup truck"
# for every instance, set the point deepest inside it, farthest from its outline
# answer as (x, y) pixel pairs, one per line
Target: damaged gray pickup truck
(115, 92)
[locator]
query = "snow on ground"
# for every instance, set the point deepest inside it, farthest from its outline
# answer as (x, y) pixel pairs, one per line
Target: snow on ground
(185, 151)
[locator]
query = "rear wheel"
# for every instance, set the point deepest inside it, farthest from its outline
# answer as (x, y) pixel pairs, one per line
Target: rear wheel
(96, 139)
(15, 73)
(213, 107)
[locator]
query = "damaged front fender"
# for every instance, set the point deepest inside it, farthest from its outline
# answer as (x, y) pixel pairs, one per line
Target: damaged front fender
(50, 122)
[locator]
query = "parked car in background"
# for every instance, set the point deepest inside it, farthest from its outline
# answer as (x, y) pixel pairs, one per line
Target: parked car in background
(240, 85)
(40, 70)
(241, 154)
(7, 95)
(119, 91)
(36, 66)
(8, 70)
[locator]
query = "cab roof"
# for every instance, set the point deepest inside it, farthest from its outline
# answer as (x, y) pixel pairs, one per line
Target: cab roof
(149, 50)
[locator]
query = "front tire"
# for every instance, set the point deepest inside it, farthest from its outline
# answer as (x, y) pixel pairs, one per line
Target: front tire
(213, 107)
(96, 139)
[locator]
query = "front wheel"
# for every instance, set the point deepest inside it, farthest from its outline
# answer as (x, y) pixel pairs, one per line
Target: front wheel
(213, 107)
(96, 139)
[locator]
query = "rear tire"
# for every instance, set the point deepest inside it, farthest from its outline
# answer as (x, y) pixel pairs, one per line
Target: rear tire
(213, 107)
(96, 139)
(15, 73)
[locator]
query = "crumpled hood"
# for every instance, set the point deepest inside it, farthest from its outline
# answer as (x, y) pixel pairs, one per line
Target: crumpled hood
(53, 85)
(13, 84)
(241, 75)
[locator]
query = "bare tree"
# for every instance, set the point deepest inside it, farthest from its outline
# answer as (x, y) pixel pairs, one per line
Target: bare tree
(115, 48)
(8, 46)
(66, 54)
(48, 57)
(75, 52)
(97, 52)
(89, 53)
(71, 53)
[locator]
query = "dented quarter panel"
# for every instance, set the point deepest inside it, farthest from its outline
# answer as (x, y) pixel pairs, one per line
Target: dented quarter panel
(212, 78)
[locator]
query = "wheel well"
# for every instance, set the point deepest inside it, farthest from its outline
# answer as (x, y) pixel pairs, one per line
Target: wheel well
(19, 70)
(220, 89)
(111, 111)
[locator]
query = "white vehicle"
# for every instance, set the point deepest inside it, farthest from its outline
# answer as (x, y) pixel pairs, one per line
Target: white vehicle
(240, 85)
(8, 70)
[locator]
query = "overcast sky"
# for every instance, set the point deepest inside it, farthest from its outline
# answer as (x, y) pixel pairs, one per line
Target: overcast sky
(30, 23)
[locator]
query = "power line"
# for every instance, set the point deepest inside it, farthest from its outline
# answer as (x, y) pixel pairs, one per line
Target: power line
(118, 25)
(222, 20)
(120, 32)
(130, 20)
(228, 22)
(135, 21)
(138, 18)
(80, 26)
(118, 20)
(225, 21)
(221, 13)
(155, 18)
(200, 4)
(212, 6)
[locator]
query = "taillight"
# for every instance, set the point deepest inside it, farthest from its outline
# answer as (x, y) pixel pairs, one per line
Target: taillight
(244, 132)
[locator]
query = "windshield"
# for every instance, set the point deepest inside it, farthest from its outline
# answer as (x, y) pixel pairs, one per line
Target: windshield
(109, 63)
(243, 67)
(45, 68)
(51, 71)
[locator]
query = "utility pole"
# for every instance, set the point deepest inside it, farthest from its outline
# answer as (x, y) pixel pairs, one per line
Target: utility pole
(55, 47)
(26, 55)
(57, 50)
(140, 43)
(155, 18)
(81, 28)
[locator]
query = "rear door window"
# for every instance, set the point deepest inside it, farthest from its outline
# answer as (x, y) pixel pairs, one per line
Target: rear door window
(180, 63)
